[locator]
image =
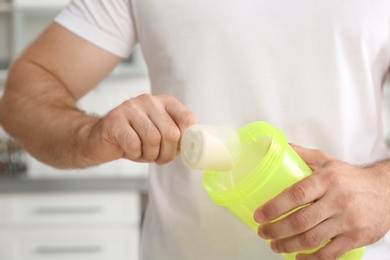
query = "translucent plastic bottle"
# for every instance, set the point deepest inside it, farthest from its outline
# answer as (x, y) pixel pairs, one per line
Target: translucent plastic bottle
(245, 169)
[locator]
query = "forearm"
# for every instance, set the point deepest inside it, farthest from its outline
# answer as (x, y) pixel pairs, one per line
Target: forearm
(39, 111)
(381, 171)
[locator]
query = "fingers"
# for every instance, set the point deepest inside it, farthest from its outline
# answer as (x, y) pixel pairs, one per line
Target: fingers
(302, 220)
(299, 194)
(149, 135)
(313, 238)
(180, 114)
(180, 118)
(169, 134)
(148, 128)
(333, 250)
(130, 143)
(313, 158)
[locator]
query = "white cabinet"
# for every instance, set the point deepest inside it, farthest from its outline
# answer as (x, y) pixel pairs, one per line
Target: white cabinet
(3, 211)
(86, 209)
(5, 246)
(70, 226)
(69, 245)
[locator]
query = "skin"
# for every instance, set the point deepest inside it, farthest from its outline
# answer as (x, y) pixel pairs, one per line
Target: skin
(40, 97)
(348, 205)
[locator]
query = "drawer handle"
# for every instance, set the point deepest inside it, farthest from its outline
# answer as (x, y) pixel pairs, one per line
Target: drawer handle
(68, 250)
(69, 210)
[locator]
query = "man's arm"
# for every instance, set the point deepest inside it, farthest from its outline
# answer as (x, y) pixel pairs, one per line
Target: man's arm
(39, 108)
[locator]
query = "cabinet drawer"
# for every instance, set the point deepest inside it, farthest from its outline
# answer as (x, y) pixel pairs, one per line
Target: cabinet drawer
(74, 245)
(2, 211)
(85, 209)
(5, 246)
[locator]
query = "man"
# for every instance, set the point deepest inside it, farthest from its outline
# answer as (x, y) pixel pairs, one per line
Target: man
(314, 69)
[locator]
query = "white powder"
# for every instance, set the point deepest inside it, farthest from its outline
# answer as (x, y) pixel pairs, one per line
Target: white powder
(203, 148)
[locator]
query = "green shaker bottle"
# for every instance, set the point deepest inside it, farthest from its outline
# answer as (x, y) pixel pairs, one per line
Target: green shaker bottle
(244, 169)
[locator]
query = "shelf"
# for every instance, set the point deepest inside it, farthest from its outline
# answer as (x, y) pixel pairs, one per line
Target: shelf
(12, 185)
(41, 4)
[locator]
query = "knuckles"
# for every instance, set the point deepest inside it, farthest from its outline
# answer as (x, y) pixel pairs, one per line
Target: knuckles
(187, 118)
(137, 103)
(271, 210)
(153, 137)
(310, 240)
(298, 194)
(133, 146)
(300, 220)
(171, 134)
(269, 232)
(146, 98)
(332, 176)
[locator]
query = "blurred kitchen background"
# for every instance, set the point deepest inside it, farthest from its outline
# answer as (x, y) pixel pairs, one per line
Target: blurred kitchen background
(91, 214)
(51, 214)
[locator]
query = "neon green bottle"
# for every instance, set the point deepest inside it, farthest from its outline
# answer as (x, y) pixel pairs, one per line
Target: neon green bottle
(245, 169)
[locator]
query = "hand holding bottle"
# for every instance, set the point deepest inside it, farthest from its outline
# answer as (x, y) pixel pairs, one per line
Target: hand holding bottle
(348, 206)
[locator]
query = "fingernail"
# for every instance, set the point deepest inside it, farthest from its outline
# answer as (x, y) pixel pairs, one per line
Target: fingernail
(259, 217)
(274, 247)
(260, 232)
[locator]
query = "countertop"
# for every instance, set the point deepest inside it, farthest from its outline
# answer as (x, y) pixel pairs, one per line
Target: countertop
(21, 185)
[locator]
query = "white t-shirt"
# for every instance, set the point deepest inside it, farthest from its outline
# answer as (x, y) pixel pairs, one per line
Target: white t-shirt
(314, 69)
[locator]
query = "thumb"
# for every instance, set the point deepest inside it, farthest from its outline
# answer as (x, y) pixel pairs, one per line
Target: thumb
(312, 157)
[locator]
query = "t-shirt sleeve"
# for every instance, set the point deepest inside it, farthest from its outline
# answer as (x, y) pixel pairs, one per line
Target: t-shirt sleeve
(105, 23)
